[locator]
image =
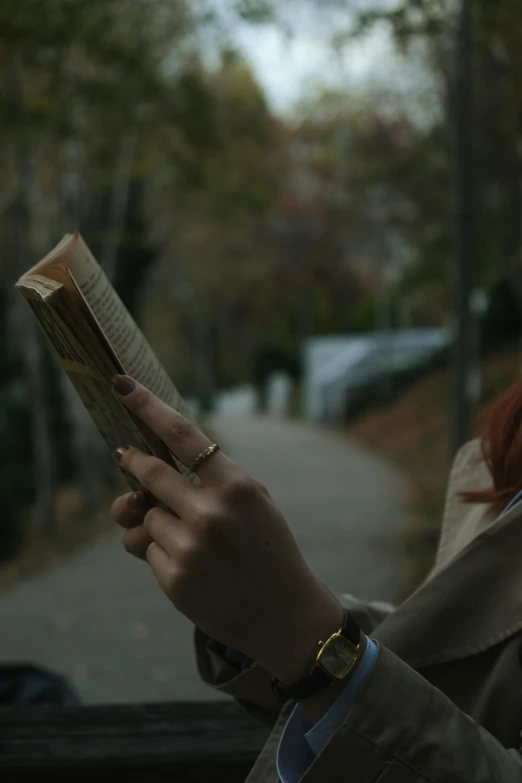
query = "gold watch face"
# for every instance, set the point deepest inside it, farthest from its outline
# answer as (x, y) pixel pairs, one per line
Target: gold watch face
(337, 657)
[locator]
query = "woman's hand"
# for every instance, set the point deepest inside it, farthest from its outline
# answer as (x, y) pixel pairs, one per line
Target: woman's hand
(225, 556)
(129, 511)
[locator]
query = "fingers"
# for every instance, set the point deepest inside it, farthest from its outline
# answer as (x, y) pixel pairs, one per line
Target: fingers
(158, 478)
(128, 510)
(152, 524)
(136, 541)
(163, 528)
(161, 565)
(158, 527)
(184, 439)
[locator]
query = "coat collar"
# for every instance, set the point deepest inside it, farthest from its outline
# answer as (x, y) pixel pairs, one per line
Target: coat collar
(472, 599)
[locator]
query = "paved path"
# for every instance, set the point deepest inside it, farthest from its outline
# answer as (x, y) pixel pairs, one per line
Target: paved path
(100, 619)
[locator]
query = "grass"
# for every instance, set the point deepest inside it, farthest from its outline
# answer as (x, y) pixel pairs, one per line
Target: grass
(413, 431)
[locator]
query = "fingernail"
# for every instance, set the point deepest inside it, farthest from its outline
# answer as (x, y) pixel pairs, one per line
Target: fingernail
(123, 385)
(120, 452)
(134, 501)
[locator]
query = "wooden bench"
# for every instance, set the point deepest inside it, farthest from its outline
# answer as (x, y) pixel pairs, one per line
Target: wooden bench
(180, 742)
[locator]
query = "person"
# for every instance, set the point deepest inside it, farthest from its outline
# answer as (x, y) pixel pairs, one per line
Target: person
(356, 692)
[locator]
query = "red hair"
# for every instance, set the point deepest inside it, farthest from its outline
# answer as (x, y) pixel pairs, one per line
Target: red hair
(502, 450)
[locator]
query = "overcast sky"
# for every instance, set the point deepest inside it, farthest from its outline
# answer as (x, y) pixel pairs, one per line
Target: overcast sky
(288, 68)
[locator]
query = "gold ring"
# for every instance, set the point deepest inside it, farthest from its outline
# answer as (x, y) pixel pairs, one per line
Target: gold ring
(203, 456)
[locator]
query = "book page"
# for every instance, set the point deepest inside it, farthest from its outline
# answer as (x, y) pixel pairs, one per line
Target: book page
(127, 340)
(89, 370)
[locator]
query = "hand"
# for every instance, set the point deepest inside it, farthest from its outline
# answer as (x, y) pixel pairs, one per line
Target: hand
(225, 556)
(129, 511)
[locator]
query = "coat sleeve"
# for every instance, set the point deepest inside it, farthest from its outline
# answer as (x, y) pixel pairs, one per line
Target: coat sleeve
(401, 729)
(368, 614)
(251, 687)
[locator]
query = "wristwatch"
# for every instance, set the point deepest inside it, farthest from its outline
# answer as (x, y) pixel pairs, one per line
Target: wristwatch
(334, 661)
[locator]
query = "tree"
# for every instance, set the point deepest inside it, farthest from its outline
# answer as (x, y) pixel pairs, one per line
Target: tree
(217, 230)
(74, 78)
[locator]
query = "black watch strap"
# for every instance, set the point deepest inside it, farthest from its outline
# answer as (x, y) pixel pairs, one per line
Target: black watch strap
(350, 629)
(317, 680)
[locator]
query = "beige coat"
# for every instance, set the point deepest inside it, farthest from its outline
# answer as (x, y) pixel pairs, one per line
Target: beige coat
(443, 702)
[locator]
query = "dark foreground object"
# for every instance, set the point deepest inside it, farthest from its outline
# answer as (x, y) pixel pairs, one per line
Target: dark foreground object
(24, 685)
(180, 742)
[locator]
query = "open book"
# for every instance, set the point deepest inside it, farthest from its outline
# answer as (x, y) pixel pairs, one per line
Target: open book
(94, 337)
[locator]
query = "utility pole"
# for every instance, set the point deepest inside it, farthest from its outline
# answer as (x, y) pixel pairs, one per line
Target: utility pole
(384, 333)
(464, 223)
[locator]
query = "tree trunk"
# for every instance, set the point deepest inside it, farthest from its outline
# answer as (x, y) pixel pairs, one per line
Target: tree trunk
(43, 456)
(118, 203)
(513, 249)
(464, 224)
(88, 450)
